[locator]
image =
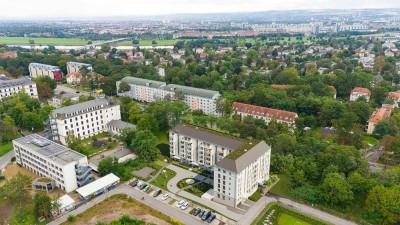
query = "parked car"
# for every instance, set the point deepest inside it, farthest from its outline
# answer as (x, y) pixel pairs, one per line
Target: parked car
(134, 183)
(146, 188)
(180, 203)
(201, 213)
(165, 197)
(143, 186)
(206, 215)
(185, 205)
(196, 212)
(211, 218)
(157, 193)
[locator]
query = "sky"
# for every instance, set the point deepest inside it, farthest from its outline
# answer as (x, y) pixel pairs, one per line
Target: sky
(76, 9)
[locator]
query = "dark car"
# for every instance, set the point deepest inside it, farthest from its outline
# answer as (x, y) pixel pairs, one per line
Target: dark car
(201, 213)
(157, 193)
(206, 215)
(143, 186)
(196, 212)
(134, 183)
(211, 218)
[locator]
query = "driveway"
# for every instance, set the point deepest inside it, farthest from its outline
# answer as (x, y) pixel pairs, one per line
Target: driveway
(5, 159)
(138, 195)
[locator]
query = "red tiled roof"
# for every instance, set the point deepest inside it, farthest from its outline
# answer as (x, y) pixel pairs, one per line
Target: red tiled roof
(380, 114)
(264, 112)
(395, 96)
(362, 90)
(279, 86)
(8, 55)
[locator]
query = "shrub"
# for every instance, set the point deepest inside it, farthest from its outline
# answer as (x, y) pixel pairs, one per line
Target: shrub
(71, 218)
(13, 159)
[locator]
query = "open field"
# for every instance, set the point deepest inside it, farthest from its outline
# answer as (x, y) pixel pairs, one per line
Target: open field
(285, 219)
(42, 41)
(5, 148)
(121, 205)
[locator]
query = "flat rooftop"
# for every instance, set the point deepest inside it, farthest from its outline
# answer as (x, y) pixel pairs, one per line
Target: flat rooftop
(98, 184)
(99, 102)
(49, 149)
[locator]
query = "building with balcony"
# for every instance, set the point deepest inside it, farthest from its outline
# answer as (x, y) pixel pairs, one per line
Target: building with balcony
(40, 70)
(9, 87)
(83, 119)
(239, 166)
(68, 168)
(150, 91)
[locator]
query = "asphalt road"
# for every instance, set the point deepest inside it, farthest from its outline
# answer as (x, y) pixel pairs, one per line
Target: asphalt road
(137, 194)
(5, 159)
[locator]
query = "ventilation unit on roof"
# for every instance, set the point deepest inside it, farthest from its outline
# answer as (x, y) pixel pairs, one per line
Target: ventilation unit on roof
(40, 143)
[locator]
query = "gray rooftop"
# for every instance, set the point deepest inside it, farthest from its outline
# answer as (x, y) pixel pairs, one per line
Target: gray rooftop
(99, 102)
(244, 160)
(143, 82)
(49, 149)
(79, 64)
(40, 65)
(208, 136)
(191, 90)
(120, 124)
(15, 82)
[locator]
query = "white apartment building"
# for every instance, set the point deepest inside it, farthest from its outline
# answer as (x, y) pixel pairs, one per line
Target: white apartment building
(68, 168)
(238, 175)
(149, 91)
(77, 66)
(239, 165)
(9, 87)
(83, 119)
(266, 114)
(40, 70)
(359, 92)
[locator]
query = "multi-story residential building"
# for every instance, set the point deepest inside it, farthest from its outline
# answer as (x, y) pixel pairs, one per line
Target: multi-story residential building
(68, 168)
(266, 114)
(84, 119)
(239, 165)
(77, 66)
(150, 90)
(9, 87)
(40, 70)
(377, 116)
(359, 92)
(239, 174)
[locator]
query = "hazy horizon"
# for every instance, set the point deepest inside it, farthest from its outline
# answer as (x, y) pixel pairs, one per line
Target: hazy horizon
(76, 9)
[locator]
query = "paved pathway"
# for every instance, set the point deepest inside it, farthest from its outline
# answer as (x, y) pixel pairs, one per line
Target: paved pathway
(137, 194)
(5, 159)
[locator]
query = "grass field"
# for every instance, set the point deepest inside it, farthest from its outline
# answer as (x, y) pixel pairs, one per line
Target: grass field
(42, 41)
(371, 140)
(162, 180)
(5, 148)
(281, 188)
(285, 219)
(199, 189)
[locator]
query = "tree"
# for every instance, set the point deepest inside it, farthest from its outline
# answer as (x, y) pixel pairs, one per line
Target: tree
(176, 110)
(32, 120)
(105, 48)
(381, 129)
(145, 145)
(72, 141)
(8, 130)
(107, 165)
(383, 203)
(44, 90)
(179, 95)
(148, 122)
(123, 87)
(16, 190)
(335, 190)
(135, 42)
(42, 205)
(66, 102)
(134, 112)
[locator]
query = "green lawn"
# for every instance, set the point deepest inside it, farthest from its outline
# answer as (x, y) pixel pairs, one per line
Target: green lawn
(285, 219)
(162, 180)
(42, 41)
(371, 140)
(199, 189)
(5, 148)
(256, 196)
(281, 188)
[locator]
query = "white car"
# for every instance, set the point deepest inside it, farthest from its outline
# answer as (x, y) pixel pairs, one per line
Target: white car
(180, 203)
(165, 197)
(185, 205)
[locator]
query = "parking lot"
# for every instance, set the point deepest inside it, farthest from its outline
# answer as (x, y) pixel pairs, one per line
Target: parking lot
(176, 202)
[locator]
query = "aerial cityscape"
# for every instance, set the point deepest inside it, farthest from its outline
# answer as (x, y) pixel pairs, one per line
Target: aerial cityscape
(178, 112)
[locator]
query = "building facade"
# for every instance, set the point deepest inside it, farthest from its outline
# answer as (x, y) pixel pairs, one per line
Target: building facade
(263, 113)
(39, 70)
(83, 119)
(239, 165)
(9, 87)
(150, 90)
(73, 67)
(69, 169)
(360, 92)
(377, 116)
